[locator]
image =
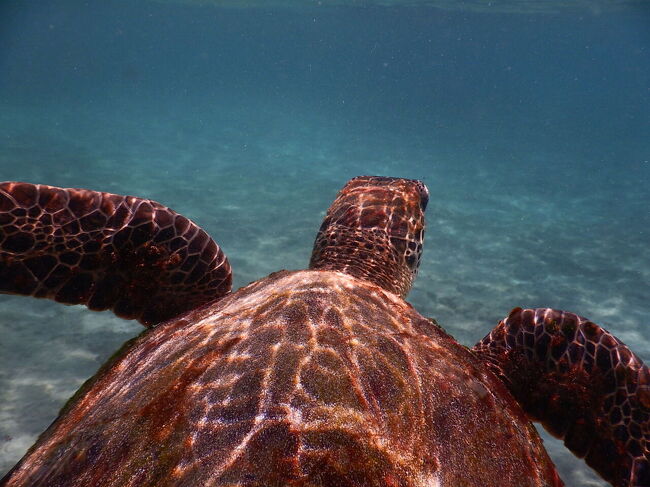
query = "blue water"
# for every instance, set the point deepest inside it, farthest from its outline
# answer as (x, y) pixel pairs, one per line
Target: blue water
(532, 132)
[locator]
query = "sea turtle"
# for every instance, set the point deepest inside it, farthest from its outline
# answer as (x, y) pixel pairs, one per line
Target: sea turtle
(319, 377)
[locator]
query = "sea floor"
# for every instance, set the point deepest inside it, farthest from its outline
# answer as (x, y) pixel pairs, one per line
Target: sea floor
(509, 224)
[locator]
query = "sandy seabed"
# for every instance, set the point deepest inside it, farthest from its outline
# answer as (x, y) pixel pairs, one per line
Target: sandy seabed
(261, 189)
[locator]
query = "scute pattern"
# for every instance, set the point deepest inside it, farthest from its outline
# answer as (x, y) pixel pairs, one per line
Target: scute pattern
(309, 378)
(374, 230)
(131, 255)
(582, 383)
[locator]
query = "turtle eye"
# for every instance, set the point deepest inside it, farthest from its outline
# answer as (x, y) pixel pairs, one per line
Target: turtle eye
(411, 261)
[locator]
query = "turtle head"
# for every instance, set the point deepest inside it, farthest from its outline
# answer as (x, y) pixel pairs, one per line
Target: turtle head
(374, 230)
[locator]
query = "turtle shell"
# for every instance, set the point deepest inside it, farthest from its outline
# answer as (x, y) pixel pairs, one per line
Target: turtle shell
(303, 378)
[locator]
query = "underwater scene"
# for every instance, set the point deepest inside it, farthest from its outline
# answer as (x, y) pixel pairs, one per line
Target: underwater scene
(528, 121)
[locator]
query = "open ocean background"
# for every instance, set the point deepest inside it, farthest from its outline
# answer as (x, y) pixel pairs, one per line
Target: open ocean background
(532, 132)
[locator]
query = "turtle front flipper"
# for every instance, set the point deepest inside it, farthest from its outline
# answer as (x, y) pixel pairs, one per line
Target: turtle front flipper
(582, 383)
(131, 255)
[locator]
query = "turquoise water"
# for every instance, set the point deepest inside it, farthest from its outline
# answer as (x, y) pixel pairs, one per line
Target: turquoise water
(531, 131)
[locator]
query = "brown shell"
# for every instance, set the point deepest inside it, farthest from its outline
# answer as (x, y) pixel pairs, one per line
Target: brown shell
(303, 379)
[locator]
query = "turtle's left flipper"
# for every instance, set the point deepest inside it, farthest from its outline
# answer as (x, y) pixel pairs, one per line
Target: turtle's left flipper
(131, 255)
(582, 383)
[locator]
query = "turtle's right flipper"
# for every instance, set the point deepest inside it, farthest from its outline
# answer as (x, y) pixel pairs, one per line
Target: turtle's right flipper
(133, 256)
(582, 383)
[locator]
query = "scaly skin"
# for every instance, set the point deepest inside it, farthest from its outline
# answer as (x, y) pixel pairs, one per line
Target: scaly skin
(133, 256)
(374, 230)
(582, 383)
